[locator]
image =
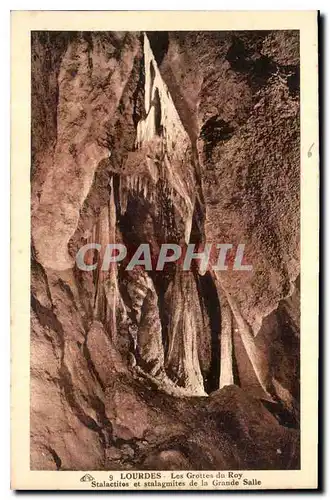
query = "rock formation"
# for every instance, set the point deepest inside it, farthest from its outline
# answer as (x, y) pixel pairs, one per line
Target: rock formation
(165, 137)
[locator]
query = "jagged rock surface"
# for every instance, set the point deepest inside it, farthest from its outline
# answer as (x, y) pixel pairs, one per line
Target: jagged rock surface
(174, 137)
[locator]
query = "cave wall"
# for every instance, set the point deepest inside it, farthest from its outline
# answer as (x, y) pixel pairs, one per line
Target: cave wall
(239, 95)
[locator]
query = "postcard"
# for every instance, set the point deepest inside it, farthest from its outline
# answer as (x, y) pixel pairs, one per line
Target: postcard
(165, 215)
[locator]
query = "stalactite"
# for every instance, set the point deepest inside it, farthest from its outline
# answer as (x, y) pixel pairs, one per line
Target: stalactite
(161, 167)
(112, 292)
(123, 194)
(108, 304)
(180, 182)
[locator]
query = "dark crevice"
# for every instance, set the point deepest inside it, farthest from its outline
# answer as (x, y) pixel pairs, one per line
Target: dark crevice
(116, 195)
(293, 81)
(161, 282)
(235, 369)
(56, 458)
(209, 297)
(257, 67)
(197, 234)
(66, 288)
(158, 113)
(159, 41)
(214, 131)
(106, 425)
(91, 366)
(283, 416)
(138, 95)
(88, 37)
(37, 268)
(152, 79)
(67, 386)
(46, 317)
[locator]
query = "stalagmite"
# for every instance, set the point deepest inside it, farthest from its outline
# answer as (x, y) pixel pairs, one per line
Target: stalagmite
(144, 302)
(226, 343)
(257, 358)
(182, 355)
(108, 301)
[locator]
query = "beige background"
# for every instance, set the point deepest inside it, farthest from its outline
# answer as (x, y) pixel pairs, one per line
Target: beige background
(22, 24)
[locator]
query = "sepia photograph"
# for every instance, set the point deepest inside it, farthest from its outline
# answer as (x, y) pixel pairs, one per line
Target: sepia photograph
(165, 209)
(154, 139)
